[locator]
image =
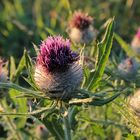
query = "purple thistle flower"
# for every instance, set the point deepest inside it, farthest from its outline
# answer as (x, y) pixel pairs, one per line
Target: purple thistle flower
(57, 70)
(55, 54)
(136, 42)
(80, 28)
(138, 33)
(80, 20)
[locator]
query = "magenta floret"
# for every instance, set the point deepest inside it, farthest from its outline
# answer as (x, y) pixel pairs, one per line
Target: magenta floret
(55, 53)
(80, 20)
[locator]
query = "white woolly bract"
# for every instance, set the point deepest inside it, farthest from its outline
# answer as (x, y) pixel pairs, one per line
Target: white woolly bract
(134, 102)
(59, 84)
(84, 36)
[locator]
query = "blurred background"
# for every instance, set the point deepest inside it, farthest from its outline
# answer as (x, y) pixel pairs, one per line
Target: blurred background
(23, 22)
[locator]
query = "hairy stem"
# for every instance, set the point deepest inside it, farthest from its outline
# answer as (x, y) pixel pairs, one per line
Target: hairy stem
(43, 109)
(67, 128)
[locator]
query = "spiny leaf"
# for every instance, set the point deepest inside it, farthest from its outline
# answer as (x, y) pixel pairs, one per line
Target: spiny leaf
(94, 100)
(30, 67)
(36, 112)
(20, 67)
(21, 89)
(105, 46)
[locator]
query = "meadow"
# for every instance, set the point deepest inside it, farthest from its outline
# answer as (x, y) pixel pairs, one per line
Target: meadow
(69, 70)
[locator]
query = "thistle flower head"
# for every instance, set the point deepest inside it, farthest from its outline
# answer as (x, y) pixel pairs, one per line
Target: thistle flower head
(80, 28)
(138, 33)
(134, 102)
(55, 54)
(57, 71)
(136, 42)
(132, 108)
(3, 72)
(80, 20)
(128, 68)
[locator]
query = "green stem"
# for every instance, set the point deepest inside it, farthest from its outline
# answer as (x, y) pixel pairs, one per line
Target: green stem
(67, 129)
(43, 109)
(22, 89)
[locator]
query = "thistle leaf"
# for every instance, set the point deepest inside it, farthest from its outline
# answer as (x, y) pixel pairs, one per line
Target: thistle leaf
(105, 49)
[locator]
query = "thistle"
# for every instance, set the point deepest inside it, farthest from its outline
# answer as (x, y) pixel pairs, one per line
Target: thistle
(128, 68)
(134, 102)
(133, 108)
(3, 72)
(81, 29)
(136, 42)
(58, 71)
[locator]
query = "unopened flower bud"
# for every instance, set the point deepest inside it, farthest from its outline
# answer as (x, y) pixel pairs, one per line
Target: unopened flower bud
(42, 132)
(81, 29)
(58, 71)
(128, 68)
(3, 72)
(136, 42)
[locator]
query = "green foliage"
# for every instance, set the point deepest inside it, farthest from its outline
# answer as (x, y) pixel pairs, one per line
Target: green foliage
(104, 50)
(127, 48)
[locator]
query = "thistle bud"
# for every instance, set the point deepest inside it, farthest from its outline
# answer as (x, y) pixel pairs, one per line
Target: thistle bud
(128, 68)
(42, 132)
(81, 29)
(134, 102)
(3, 72)
(58, 71)
(136, 42)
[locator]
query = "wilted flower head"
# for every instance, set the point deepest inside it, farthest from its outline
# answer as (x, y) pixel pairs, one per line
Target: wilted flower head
(80, 28)
(57, 70)
(3, 72)
(80, 20)
(42, 132)
(128, 68)
(136, 42)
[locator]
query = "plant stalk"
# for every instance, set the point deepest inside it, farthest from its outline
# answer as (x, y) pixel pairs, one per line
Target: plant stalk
(66, 122)
(67, 129)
